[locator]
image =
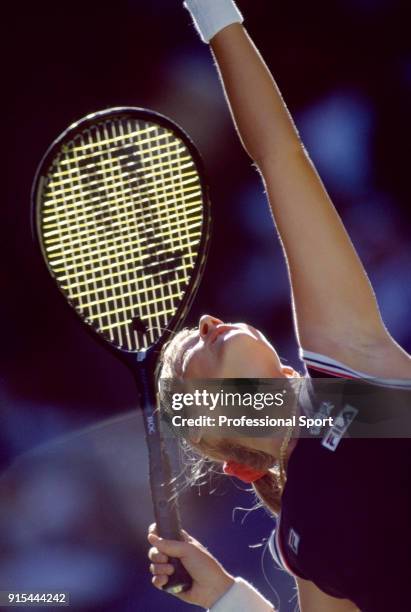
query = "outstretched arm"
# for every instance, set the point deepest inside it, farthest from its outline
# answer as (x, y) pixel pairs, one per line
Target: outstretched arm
(335, 309)
(331, 292)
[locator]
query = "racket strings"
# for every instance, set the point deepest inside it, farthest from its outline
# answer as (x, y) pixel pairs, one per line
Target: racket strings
(94, 176)
(122, 223)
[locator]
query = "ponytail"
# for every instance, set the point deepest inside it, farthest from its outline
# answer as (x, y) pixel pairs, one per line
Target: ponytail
(267, 488)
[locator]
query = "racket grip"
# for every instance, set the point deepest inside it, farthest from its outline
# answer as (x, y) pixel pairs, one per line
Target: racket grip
(162, 491)
(168, 527)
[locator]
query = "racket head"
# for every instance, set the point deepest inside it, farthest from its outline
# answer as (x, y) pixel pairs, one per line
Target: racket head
(118, 173)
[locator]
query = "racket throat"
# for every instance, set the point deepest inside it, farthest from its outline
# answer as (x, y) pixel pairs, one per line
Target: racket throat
(141, 355)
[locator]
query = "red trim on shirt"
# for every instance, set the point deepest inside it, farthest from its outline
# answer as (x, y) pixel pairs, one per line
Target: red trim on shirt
(324, 371)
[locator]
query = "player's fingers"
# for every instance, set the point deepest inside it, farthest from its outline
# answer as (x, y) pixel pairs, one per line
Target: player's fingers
(159, 581)
(172, 548)
(152, 528)
(156, 556)
(161, 569)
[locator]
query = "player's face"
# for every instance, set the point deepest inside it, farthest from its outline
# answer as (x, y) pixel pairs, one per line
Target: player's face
(228, 350)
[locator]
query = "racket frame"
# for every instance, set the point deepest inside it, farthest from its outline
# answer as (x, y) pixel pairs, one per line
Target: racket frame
(130, 112)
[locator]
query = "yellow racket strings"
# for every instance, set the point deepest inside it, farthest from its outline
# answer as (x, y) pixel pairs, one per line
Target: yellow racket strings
(121, 223)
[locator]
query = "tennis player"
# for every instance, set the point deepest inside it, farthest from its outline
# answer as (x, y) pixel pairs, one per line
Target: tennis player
(343, 514)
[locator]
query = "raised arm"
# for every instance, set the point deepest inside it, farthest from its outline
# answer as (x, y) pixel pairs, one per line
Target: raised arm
(335, 309)
(331, 292)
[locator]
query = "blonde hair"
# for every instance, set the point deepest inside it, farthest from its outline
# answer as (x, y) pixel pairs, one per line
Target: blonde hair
(267, 488)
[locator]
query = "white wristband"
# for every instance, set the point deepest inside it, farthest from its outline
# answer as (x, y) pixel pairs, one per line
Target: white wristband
(211, 16)
(242, 596)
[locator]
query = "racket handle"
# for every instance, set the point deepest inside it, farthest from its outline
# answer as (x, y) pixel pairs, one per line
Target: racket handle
(165, 505)
(169, 528)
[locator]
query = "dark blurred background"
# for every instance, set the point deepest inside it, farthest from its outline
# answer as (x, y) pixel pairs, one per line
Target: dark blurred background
(74, 500)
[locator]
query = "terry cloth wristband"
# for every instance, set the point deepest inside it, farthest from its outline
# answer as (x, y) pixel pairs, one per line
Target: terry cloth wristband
(242, 596)
(211, 16)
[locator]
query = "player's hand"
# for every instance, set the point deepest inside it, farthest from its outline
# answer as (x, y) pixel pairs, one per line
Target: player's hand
(210, 580)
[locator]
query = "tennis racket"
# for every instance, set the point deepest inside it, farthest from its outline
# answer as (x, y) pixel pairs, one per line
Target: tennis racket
(121, 214)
